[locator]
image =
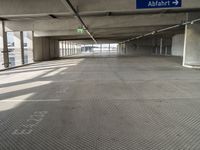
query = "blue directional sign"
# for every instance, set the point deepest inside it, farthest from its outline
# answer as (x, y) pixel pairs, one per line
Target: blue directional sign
(145, 4)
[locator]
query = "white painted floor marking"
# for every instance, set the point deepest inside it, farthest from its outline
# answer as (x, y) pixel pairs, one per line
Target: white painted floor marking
(31, 123)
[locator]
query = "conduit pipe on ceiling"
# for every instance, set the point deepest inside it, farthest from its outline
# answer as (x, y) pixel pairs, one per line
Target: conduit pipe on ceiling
(161, 30)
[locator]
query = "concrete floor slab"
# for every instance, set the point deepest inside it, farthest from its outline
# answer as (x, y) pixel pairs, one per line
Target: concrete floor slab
(101, 103)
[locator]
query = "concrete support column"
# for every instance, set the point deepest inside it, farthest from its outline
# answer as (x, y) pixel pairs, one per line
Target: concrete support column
(125, 49)
(3, 46)
(74, 49)
(118, 49)
(65, 48)
(41, 49)
(109, 48)
(29, 40)
(166, 51)
(191, 57)
(1, 49)
(63, 53)
(76, 52)
(77, 49)
(17, 49)
(71, 48)
(177, 45)
(45, 48)
(101, 49)
(161, 45)
(68, 48)
(54, 49)
(22, 46)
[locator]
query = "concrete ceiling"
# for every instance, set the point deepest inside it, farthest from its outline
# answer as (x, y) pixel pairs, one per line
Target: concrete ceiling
(114, 19)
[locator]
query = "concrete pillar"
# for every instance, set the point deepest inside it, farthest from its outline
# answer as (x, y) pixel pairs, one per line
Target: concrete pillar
(157, 43)
(125, 49)
(161, 45)
(191, 57)
(76, 49)
(4, 59)
(17, 49)
(117, 49)
(109, 48)
(69, 48)
(1, 47)
(177, 45)
(45, 48)
(63, 42)
(63, 52)
(73, 48)
(64, 47)
(22, 47)
(1, 53)
(30, 45)
(28, 49)
(41, 49)
(101, 49)
(166, 51)
(121, 49)
(54, 49)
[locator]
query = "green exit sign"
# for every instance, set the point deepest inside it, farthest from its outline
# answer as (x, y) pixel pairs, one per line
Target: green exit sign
(80, 30)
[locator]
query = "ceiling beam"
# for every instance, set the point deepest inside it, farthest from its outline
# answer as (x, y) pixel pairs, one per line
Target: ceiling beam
(68, 3)
(109, 22)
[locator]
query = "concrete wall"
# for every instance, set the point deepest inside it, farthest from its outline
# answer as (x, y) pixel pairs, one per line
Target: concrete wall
(178, 45)
(162, 45)
(192, 45)
(54, 48)
(138, 48)
(158, 45)
(45, 48)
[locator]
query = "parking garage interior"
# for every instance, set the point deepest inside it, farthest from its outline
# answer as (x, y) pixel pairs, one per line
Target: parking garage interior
(102, 75)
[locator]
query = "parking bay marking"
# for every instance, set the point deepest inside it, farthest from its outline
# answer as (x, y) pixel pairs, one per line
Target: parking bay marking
(33, 121)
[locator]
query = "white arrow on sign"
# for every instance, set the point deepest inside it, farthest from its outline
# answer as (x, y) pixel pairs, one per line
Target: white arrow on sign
(176, 2)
